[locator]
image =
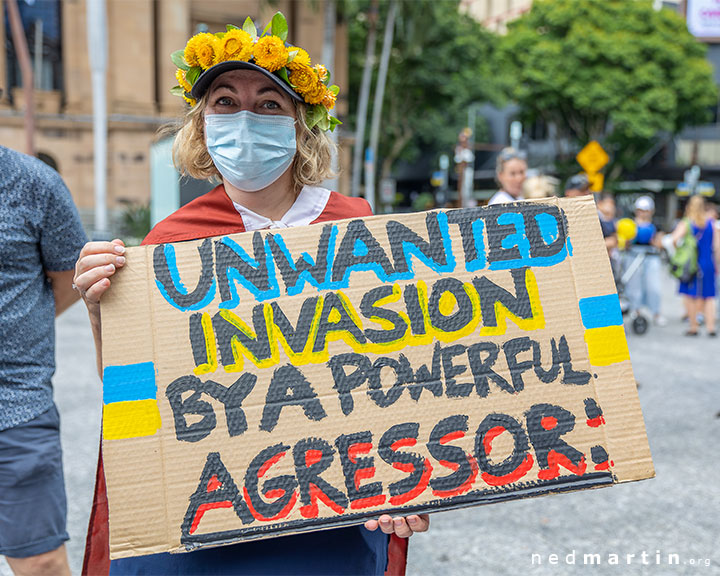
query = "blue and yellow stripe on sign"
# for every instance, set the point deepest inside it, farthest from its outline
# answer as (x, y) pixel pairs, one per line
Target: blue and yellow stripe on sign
(130, 407)
(604, 332)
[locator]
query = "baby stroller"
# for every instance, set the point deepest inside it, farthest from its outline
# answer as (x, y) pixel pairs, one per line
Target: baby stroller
(624, 269)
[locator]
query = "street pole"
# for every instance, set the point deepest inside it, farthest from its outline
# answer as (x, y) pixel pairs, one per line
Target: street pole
(329, 60)
(515, 134)
(38, 41)
(97, 42)
(26, 72)
(369, 173)
(364, 99)
(378, 101)
(441, 196)
(467, 200)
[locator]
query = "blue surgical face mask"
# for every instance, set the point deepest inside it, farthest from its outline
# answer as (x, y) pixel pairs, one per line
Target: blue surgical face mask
(250, 150)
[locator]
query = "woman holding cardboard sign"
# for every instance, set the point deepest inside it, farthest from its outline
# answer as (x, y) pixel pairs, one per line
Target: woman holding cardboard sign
(258, 118)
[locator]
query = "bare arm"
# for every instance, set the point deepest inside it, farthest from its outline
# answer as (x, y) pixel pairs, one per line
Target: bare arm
(62, 288)
(679, 232)
(98, 261)
(611, 242)
(657, 240)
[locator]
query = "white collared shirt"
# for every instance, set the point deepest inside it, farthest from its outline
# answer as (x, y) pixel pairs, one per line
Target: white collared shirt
(307, 208)
(502, 197)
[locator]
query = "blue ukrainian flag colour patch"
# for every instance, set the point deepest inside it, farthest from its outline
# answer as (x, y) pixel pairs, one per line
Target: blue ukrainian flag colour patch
(601, 311)
(130, 407)
(604, 332)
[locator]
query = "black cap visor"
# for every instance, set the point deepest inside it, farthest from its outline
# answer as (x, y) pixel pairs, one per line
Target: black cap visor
(206, 78)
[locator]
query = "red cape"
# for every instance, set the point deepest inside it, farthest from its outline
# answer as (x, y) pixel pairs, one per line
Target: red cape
(212, 214)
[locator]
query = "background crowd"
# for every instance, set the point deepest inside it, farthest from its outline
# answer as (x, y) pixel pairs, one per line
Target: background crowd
(639, 250)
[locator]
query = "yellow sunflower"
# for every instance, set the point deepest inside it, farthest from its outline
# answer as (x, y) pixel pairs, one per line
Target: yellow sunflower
(303, 78)
(321, 71)
(302, 58)
(270, 53)
(329, 100)
(196, 50)
(210, 52)
(190, 101)
(237, 45)
(317, 93)
(182, 81)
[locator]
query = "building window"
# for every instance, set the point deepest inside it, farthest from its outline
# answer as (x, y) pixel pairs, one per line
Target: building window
(43, 30)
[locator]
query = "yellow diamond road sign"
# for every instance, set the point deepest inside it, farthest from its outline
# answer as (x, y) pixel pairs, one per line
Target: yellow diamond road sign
(592, 158)
(597, 181)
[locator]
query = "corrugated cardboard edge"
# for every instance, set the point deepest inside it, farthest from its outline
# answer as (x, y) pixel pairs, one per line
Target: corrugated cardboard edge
(620, 432)
(136, 303)
(615, 386)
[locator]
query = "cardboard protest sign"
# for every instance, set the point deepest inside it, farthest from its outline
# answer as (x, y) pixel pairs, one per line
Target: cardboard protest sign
(291, 380)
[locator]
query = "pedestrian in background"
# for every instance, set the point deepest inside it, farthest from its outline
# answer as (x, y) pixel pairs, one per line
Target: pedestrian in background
(40, 239)
(608, 225)
(699, 293)
(576, 186)
(712, 210)
(606, 212)
(510, 172)
(643, 287)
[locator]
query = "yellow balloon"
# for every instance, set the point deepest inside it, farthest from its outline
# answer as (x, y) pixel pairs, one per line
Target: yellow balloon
(626, 231)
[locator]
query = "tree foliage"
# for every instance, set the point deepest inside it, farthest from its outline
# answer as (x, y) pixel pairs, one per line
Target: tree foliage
(615, 71)
(440, 63)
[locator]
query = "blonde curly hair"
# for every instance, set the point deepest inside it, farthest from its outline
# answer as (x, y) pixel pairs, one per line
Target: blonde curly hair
(312, 163)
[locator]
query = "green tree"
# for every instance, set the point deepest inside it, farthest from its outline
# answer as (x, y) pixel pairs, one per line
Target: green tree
(440, 63)
(615, 71)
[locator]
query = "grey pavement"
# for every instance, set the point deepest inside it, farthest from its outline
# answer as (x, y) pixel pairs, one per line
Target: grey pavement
(678, 512)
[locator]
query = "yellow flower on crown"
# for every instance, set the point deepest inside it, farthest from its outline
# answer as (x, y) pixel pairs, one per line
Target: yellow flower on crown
(329, 100)
(317, 93)
(303, 78)
(302, 58)
(321, 71)
(205, 50)
(180, 75)
(201, 50)
(237, 45)
(270, 53)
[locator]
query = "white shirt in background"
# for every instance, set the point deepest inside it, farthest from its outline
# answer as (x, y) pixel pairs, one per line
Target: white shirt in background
(502, 197)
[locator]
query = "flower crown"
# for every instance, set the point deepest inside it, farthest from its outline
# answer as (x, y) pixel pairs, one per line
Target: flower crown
(268, 51)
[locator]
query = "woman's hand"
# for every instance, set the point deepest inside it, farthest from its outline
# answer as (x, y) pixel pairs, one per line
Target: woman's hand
(402, 526)
(97, 262)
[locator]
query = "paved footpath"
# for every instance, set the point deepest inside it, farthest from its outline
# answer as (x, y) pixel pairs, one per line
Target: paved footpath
(678, 512)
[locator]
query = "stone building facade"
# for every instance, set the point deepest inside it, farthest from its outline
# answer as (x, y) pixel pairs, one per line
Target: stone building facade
(141, 36)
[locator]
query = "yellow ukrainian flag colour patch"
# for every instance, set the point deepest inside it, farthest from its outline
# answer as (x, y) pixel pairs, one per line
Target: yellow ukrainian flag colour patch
(606, 345)
(131, 419)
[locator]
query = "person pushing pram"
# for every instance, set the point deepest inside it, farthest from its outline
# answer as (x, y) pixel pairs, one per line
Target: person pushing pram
(641, 268)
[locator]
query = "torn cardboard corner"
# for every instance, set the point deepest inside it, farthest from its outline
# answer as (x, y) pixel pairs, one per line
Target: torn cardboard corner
(272, 382)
